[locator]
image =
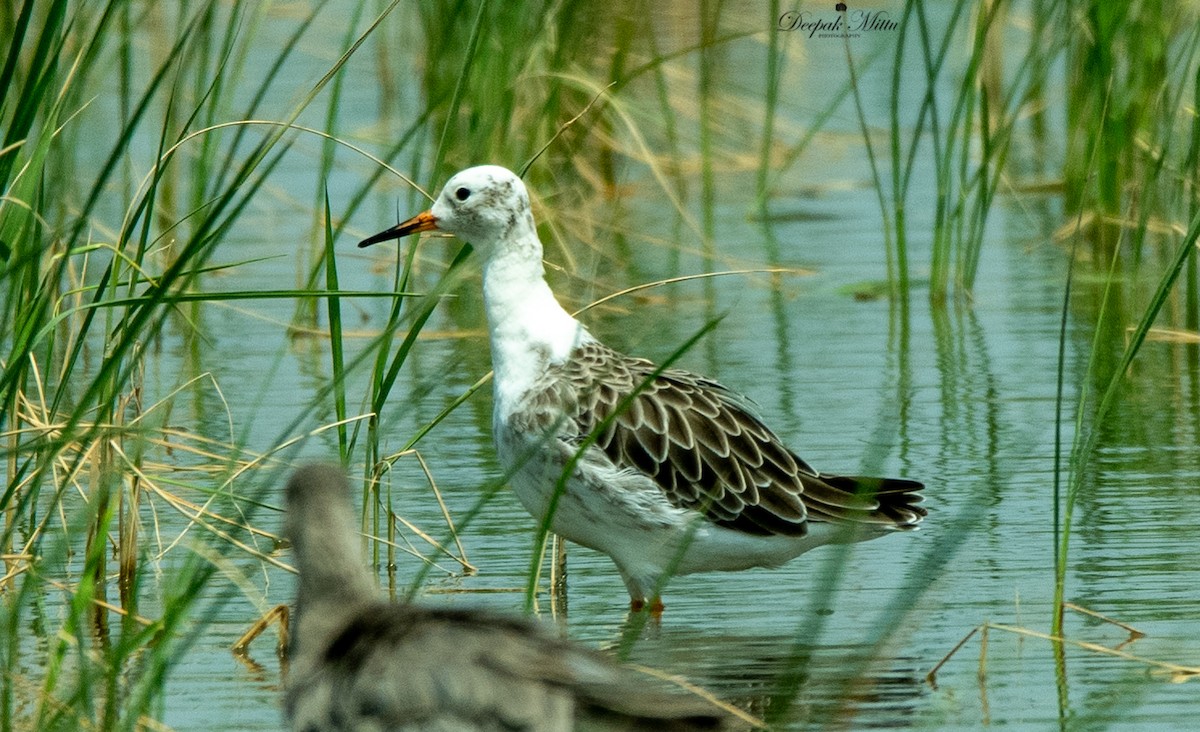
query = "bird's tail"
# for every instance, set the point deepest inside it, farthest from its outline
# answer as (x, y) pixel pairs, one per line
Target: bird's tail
(892, 503)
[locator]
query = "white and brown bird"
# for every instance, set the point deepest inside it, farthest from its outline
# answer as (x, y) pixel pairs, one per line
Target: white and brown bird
(358, 663)
(682, 476)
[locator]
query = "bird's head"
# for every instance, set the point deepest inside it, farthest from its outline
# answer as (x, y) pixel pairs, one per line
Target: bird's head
(483, 206)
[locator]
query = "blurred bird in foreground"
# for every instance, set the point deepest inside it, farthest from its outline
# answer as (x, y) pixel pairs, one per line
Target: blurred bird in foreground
(358, 663)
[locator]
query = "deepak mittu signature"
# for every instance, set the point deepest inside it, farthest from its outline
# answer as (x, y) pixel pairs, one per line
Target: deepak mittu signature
(844, 24)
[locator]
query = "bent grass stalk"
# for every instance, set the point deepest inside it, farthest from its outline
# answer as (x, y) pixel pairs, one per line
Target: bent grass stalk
(1176, 672)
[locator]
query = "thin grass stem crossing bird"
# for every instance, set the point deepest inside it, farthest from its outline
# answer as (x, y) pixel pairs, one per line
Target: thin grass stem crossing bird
(358, 663)
(683, 476)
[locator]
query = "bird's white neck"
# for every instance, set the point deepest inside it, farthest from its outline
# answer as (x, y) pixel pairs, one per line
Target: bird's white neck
(528, 329)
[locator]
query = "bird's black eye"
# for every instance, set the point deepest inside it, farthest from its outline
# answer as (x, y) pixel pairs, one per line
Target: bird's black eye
(462, 194)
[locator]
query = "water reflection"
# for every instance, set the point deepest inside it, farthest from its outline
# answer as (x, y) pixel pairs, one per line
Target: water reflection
(800, 685)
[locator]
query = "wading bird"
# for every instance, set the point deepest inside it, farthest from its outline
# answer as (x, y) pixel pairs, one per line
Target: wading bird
(682, 475)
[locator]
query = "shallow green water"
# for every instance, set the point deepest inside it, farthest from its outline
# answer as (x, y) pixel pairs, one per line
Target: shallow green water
(960, 396)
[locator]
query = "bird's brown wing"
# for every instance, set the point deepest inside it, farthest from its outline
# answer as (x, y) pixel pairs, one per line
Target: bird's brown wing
(708, 451)
(410, 667)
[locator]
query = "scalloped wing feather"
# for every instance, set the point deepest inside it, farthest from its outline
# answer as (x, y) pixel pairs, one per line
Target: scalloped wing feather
(708, 450)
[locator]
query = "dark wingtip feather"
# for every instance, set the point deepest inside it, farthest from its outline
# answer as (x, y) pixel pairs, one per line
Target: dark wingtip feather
(897, 499)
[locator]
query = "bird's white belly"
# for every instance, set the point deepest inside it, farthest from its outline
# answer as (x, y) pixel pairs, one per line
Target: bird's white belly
(625, 515)
(587, 509)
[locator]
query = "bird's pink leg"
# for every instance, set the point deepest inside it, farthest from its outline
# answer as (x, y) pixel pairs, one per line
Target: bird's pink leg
(656, 606)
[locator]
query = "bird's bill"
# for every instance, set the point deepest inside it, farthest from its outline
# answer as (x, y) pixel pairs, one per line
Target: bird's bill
(424, 221)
